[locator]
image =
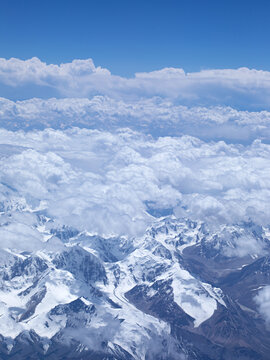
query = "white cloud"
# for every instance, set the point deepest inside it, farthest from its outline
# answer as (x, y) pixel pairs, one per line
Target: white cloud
(15, 72)
(102, 182)
(81, 78)
(155, 116)
(263, 302)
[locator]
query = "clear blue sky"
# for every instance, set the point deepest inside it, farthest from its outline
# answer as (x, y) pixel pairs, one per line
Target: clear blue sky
(128, 36)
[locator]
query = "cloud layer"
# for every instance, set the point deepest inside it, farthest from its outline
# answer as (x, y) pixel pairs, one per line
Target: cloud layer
(102, 153)
(245, 88)
(156, 116)
(105, 182)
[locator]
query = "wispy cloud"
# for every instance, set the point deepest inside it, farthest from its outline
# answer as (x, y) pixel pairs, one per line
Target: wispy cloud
(263, 302)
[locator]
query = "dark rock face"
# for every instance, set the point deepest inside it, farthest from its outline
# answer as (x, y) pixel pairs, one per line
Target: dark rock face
(64, 233)
(161, 305)
(30, 346)
(31, 266)
(32, 304)
(81, 264)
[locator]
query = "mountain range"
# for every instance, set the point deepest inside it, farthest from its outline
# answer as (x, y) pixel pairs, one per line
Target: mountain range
(184, 289)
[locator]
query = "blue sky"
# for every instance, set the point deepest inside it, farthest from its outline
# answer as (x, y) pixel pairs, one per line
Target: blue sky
(131, 36)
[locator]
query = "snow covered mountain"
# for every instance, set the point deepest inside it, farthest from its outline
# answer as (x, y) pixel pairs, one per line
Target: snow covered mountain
(182, 290)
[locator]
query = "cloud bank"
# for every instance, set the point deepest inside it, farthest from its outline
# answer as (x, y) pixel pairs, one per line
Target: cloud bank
(157, 116)
(243, 87)
(229, 105)
(104, 182)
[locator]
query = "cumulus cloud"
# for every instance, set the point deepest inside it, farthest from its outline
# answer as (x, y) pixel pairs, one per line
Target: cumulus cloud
(156, 116)
(81, 78)
(15, 72)
(103, 182)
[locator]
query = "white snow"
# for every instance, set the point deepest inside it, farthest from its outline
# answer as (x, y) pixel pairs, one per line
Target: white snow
(191, 296)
